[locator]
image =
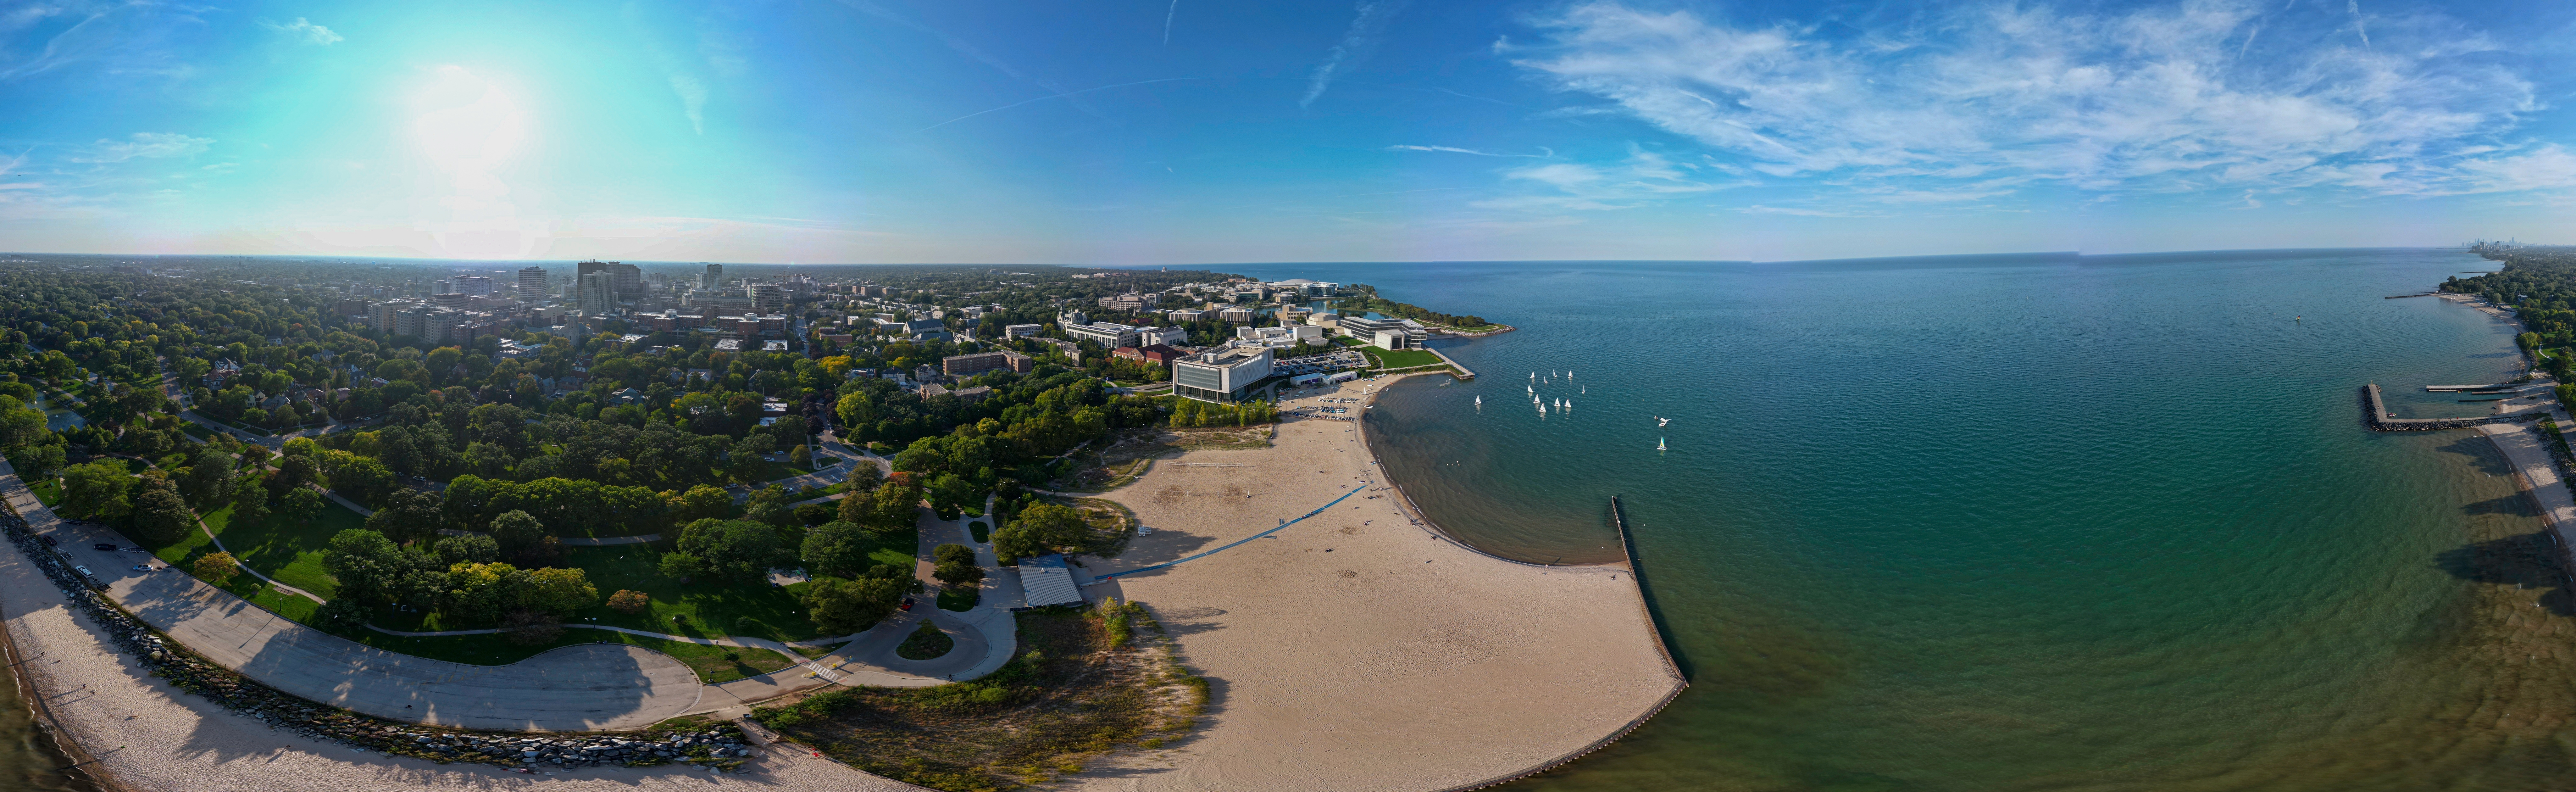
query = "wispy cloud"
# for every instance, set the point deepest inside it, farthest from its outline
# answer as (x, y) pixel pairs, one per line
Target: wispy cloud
(1367, 29)
(2164, 98)
(693, 99)
(1056, 95)
(1457, 150)
(144, 145)
(305, 31)
(1644, 177)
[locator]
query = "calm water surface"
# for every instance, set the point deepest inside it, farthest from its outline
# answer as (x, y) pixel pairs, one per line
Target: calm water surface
(2016, 523)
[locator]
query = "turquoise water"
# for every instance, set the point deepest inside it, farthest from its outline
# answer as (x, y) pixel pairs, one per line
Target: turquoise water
(2016, 523)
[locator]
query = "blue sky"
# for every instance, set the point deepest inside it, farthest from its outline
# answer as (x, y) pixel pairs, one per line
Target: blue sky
(1189, 131)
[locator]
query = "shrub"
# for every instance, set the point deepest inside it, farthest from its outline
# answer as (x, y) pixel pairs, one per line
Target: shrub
(627, 601)
(340, 614)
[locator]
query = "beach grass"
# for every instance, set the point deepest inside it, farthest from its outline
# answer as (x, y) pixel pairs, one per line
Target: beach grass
(1070, 697)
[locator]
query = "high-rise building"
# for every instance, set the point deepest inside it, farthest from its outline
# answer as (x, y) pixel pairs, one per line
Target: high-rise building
(767, 297)
(532, 283)
(713, 278)
(472, 285)
(598, 293)
(629, 279)
(581, 273)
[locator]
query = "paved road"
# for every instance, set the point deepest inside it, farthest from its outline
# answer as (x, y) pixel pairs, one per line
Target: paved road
(582, 688)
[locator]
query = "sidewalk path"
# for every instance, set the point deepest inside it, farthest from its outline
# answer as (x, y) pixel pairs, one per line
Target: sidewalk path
(580, 688)
(2522, 446)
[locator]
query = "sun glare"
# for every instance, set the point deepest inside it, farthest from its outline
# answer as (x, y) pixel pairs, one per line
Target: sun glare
(469, 128)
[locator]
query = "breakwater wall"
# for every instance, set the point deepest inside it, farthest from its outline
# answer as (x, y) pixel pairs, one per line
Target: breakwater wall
(2374, 414)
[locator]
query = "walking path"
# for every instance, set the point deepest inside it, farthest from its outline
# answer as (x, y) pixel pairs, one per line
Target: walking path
(2523, 445)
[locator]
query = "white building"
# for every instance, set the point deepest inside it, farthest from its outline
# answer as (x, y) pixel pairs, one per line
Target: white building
(1105, 334)
(1223, 375)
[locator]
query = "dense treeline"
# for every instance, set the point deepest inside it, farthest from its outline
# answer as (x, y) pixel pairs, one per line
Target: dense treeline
(1368, 300)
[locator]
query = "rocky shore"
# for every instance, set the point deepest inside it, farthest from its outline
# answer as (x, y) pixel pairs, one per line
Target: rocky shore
(719, 747)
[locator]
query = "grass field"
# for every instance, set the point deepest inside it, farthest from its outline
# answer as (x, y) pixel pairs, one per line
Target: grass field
(959, 600)
(48, 492)
(277, 546)
(708, 661)
(1401, 358)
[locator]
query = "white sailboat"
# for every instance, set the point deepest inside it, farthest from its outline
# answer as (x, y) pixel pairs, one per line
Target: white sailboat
(1659, 444)
(1542, 411)
(1480, 401)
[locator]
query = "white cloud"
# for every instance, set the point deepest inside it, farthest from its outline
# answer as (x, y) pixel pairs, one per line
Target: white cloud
(1644, 177)
(2160, 99)
(1367, 29)
(693, 100)
(307, 32)
(146, 145)
(1455, 150)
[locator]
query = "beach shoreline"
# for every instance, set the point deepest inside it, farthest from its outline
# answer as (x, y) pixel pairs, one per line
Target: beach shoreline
(1346, 670)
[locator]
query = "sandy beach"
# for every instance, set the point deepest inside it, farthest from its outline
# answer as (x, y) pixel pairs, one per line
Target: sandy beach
(1357, 650)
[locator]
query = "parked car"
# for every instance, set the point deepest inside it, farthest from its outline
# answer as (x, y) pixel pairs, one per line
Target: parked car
(142, 567)
(907, 603)
(103, 546)
(49, 541)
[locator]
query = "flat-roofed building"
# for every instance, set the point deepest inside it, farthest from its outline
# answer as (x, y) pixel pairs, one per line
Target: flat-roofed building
(1017, 330)
(1103, 333)
(970, 365)
(1236, 314)
(1222, 375)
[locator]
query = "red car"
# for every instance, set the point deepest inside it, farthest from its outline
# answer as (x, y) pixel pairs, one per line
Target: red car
(907, 604)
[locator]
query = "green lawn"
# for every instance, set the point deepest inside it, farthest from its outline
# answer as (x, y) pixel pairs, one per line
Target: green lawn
(1401, 358)
(708, 661)
(773, 471)
(981, 531)
(277, 546)
(193, 430)
(957, 600)
(48, 491)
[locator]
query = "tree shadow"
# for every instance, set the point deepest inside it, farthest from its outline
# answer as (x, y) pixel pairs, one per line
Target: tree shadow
(2525, 561)
(2517, 504)
(2482, 454)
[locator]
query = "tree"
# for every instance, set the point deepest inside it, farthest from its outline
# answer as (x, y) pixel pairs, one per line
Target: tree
(800, 456)
(628, 601)
(738, 550)
(682, 566)
(769, 505)
(953, 491)
(217, 568)
(481, 592)
(558, 592)
(702, 502)
(468, 548)
(1041, 529)
(408, 515)
(531, 629)
(814, 513)
(837, 549)
(365, 563)
(161, 517)
(340, 614)
(843, 607)
(895, 506)
(250, 505)
(517, 533)
(293, 473)
(864, 476)
(98, 491)
(956, 567)
(301, 504)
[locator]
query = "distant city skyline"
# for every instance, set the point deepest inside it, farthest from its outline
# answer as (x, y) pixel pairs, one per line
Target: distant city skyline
(1173, 132)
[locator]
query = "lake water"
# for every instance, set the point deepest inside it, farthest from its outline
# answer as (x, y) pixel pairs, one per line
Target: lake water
(2015, 523)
